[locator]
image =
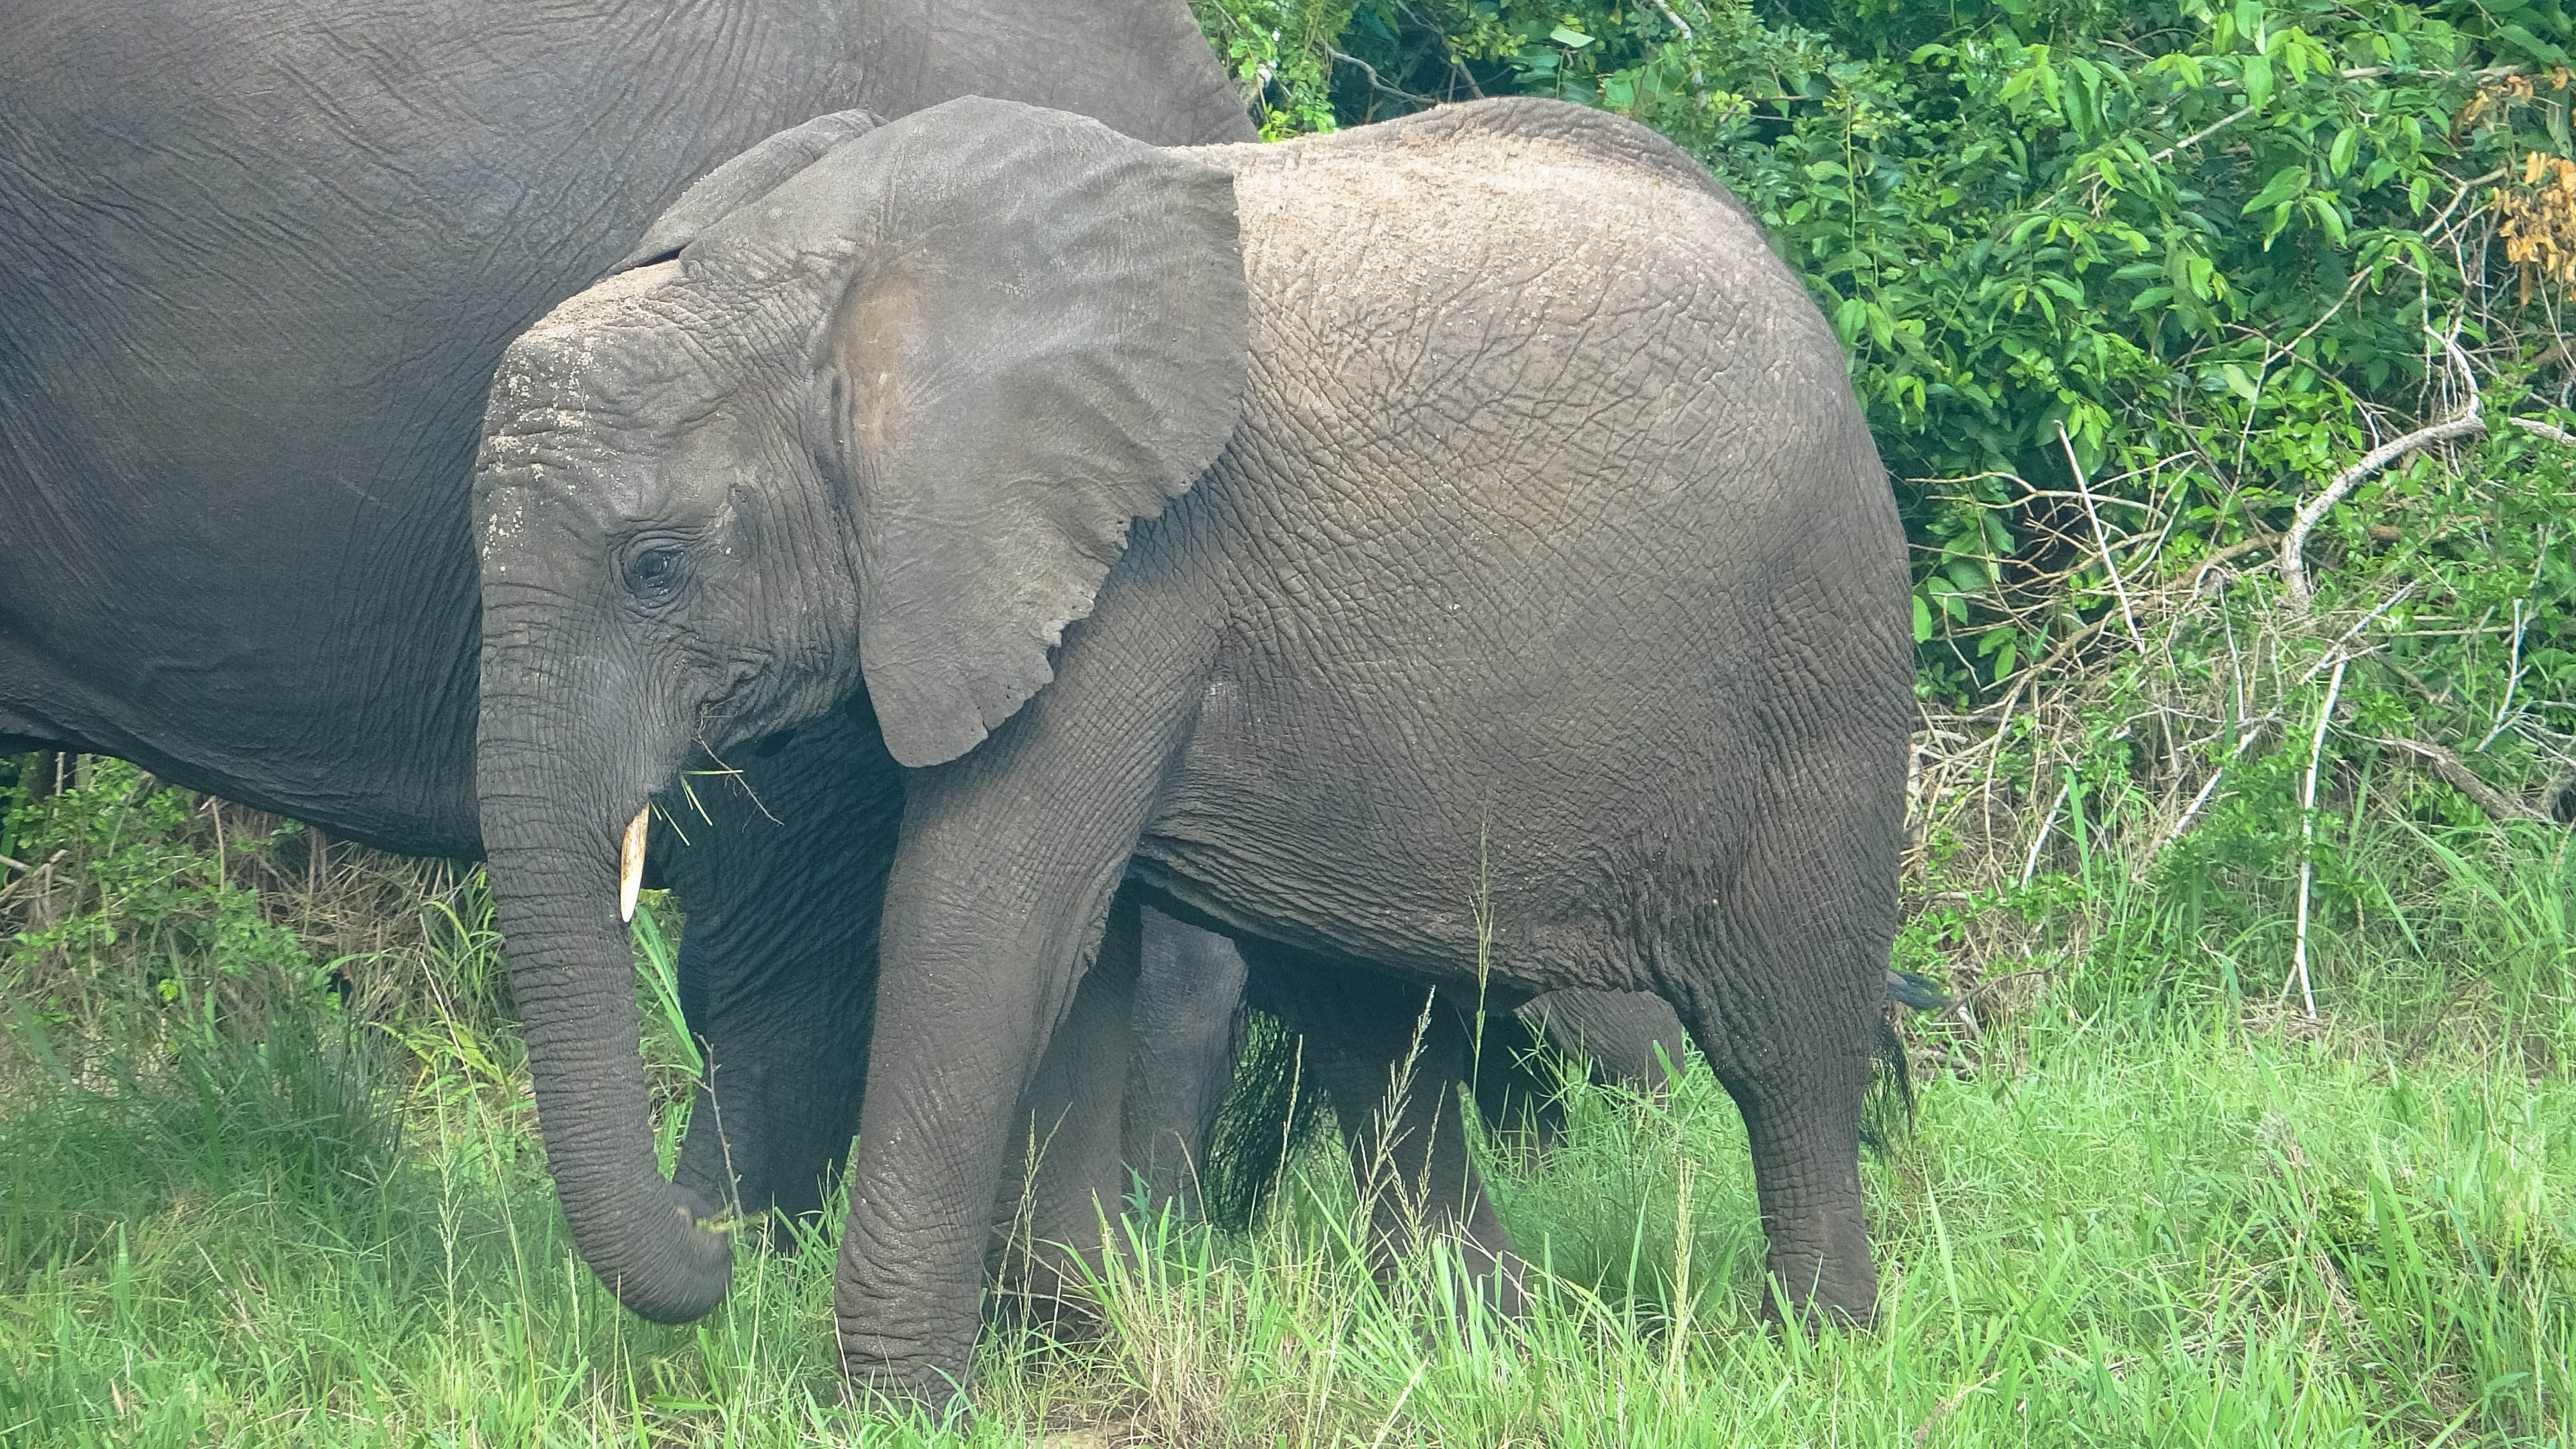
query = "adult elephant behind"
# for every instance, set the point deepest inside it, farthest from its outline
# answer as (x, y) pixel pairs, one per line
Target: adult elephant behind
(257, 263)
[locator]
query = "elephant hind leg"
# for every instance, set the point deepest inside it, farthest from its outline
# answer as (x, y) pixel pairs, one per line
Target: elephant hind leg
(1782, 990)
(1802, 1120)
(1391, 1059)
(1188, 1026)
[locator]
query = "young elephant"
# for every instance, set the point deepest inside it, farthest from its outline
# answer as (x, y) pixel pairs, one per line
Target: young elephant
(1478, 573)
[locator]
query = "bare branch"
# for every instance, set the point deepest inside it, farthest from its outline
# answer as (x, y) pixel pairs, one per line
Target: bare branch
(2156, 847)
(2308, 838)
(2110, 565)
(2461, 424)
(2512, 677)
(2222, 557)
(2455, 773)
(2039, 842)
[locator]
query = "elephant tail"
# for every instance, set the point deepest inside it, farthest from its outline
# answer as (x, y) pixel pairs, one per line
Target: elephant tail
(1915, 991)
(1887, 1114)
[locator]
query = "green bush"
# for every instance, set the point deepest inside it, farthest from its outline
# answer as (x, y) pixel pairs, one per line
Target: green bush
(127, 890)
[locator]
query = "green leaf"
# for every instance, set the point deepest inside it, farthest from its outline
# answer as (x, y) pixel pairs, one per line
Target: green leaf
(2258, 81)
(1569, 37)
(2347, 144)
(2329, 217)
(1850, 316)
(2239, 381)
(1922, 620)
(2529, 44)
(2287, 182)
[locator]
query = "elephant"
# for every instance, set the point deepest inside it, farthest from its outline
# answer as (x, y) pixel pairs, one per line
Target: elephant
(257, 266)
(1445, 557)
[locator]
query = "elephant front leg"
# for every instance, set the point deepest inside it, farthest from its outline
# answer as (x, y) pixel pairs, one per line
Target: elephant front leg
(998, 900)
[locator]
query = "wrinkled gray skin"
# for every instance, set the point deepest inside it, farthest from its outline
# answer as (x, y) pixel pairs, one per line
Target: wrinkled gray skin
(257, 264)
(1467, 507)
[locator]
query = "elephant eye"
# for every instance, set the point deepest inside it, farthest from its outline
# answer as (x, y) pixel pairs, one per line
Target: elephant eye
(653, 573)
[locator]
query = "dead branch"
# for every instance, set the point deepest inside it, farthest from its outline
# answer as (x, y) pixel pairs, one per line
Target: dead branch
(2455, 772)
(2031, 676)
(2172, 833)
(2461, 424)
(2308, 840)
(2231, 553)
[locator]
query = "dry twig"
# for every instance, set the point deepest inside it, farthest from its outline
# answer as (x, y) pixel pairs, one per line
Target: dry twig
(2111, 566)
(2308, 838)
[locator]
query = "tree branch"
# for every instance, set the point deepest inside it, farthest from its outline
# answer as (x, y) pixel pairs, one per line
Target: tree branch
(2294, 571)
(2110, 565)
(2455, 773)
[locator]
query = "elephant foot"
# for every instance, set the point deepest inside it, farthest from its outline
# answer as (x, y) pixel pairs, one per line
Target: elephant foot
(1837, 1286)
(905, 1387)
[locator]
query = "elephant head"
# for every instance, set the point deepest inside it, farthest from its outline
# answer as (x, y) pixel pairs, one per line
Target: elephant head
(879, 421)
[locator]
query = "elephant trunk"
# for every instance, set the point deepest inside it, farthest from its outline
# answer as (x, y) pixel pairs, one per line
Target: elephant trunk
(554, 846)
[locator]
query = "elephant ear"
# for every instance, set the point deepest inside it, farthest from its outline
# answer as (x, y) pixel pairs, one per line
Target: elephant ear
(740, 181)
(1039, 338)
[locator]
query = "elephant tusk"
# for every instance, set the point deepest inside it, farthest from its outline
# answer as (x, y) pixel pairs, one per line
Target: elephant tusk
(630, 865)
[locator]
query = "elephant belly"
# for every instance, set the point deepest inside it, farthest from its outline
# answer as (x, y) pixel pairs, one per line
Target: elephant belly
(1439, 822)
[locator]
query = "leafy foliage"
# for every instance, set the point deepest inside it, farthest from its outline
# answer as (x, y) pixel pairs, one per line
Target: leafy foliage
(133, 873)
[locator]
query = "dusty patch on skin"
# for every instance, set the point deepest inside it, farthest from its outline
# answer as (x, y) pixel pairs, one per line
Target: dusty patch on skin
(600, 303)
(551, 383)
(562, 350)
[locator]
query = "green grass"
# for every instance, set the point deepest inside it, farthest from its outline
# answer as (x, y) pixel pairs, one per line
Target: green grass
(2142, 1204)
(2188, 1235)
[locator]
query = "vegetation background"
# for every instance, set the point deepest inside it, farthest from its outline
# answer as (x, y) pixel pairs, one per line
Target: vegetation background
(2216, 353)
